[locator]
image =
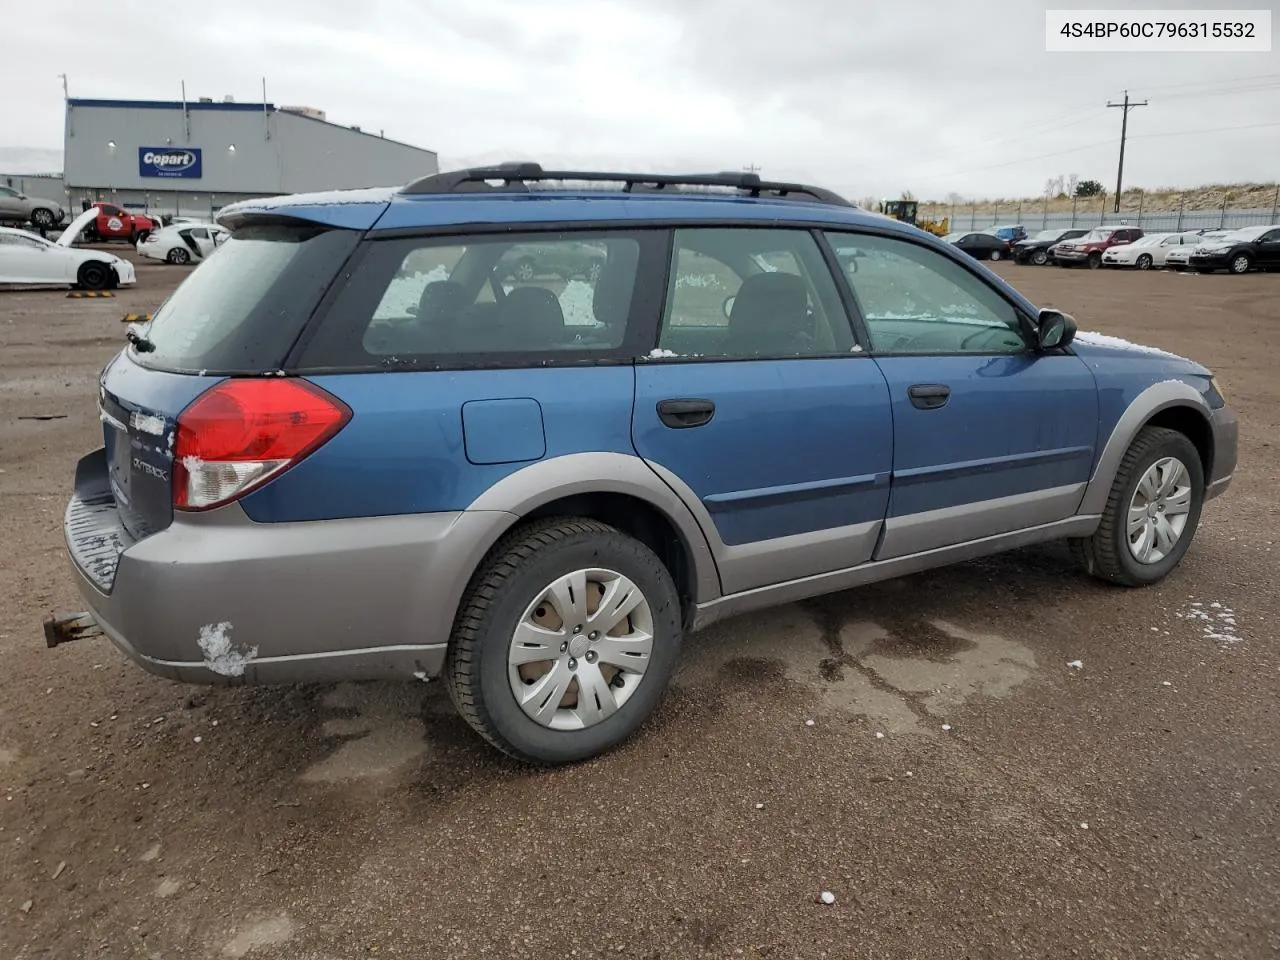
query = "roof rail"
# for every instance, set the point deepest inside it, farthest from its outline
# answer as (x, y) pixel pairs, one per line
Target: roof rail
(515, 177)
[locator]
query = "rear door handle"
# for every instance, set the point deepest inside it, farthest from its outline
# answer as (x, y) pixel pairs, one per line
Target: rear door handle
(929, 396)
(681, 414)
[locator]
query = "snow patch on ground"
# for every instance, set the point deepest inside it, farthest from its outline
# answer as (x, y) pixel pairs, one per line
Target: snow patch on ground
(219, 654)
(577, 303)
(1216, 620)
(405, 290)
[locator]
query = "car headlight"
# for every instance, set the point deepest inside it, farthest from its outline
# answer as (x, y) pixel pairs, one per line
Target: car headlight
(1215, 389)
(1217, 249)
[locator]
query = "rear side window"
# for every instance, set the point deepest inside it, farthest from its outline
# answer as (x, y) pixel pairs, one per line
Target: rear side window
(241, 311)
(493, 299)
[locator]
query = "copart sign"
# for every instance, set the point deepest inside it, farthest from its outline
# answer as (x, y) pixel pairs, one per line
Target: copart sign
(169, 162)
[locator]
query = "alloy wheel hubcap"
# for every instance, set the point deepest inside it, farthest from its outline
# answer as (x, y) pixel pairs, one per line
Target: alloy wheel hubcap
(1159, 510)
(580, 649)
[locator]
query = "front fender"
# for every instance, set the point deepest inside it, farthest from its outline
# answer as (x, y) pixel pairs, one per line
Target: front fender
(1157, 397)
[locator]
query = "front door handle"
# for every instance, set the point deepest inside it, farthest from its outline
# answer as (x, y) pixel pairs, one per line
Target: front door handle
(681, 414)
(929, 396)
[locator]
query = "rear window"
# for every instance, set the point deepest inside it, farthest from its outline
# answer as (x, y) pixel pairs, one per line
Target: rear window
(241, 310)
(492, 300)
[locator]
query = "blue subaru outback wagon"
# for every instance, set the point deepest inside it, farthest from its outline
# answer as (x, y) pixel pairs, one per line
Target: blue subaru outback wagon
(358, 442)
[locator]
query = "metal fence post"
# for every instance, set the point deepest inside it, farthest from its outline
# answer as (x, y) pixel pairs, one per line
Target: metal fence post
(1141, 197)
(1275, 203)
(951, 221)
(995, 216)
(1019, 211)
(1222, 220)
(1182, 205)
(1074, 201)
(1044, 218)
(973, 214)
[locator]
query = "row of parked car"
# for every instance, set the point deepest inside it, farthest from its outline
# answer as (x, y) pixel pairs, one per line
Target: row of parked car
(1206, 250)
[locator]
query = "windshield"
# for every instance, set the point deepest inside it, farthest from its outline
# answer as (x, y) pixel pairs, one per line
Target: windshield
(241, 311)
(1099, 233)
(1150, 240)
(1047, 235)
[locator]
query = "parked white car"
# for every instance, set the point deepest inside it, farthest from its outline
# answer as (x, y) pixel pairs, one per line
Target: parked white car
(184, 242)
(1150, 251)
(31, 259)
(1179, 257)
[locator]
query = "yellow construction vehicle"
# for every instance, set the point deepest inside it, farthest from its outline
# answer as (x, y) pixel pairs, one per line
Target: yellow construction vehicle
(907, 210)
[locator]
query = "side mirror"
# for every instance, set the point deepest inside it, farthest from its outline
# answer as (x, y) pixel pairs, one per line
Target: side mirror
(1054, 329)
(727, 306)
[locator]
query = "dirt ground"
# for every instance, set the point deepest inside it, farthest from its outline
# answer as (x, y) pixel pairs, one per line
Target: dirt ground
(1015, 806)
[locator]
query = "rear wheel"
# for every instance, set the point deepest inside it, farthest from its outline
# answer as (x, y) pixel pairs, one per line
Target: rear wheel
(1241, 263)
(1151, 514)
(1144, 262)
(178, 255)
(565, 641)
(1040, 258)
(42, 218)
(93, 276)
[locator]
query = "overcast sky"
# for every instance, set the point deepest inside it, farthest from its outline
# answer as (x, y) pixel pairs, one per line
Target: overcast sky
(869, 98)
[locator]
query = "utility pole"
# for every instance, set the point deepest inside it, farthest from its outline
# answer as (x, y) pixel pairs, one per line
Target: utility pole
(751, 168)
(1124, 131)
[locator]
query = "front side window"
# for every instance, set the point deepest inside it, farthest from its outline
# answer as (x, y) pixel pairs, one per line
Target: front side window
(916, 300)
(751, 292)
(485, 298)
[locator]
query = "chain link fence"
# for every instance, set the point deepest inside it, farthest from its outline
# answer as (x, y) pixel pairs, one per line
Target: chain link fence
(1097, 211)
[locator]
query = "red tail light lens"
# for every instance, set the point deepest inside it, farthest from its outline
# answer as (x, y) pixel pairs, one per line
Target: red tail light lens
(241, 433)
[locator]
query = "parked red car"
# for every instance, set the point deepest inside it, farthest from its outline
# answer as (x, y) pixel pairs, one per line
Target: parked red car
(1090, 248)
(116, 223)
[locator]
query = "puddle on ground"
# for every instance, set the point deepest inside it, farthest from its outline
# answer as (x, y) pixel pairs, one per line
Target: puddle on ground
(265, 933)
(902, 679)
(381, 732)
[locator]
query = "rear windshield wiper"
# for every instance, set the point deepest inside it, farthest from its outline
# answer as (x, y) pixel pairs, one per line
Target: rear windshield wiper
(139, 341)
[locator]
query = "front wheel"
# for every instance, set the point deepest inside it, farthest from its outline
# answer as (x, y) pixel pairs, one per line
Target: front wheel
(1144, 262)
(1151, 514)
(93, 276)
(565, 641)
(1241, 263)
(42, 218)
(996, 255)
(1040, 258)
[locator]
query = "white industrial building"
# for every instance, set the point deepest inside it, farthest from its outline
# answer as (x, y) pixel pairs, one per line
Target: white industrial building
(193, 157)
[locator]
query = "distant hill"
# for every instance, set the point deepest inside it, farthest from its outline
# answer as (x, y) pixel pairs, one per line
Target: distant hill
(1237, 196)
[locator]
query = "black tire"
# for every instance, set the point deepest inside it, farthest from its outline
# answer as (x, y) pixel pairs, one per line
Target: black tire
(996, 255)
(42, 218)
(524, 269)
(1040, 257)
(1095, 260)
(1144, 262)
(519, 566)
(141, 237)
(1241, 263)
(178, 255)
(1106, 554)
(93, 275)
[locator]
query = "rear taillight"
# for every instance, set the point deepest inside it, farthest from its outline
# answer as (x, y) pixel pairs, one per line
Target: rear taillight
(241, 433)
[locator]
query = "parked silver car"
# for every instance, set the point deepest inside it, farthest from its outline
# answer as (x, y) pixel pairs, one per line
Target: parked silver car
(18, 207)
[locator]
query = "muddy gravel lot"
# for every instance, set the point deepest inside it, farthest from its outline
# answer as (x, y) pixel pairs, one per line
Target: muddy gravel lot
(920, 749)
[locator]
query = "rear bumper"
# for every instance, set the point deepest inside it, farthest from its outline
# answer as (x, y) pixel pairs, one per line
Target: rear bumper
(217, 598)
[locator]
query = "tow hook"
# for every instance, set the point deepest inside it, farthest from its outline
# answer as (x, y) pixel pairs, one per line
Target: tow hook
(78, 626)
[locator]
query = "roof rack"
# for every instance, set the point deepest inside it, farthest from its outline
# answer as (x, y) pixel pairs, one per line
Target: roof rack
(515, 177)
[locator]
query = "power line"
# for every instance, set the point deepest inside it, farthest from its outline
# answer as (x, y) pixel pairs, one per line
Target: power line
(1202, 83)
(1187, 133)
(1124, 129)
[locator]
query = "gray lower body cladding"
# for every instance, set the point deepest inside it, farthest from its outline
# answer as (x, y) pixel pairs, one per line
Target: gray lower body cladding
(217, 598)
